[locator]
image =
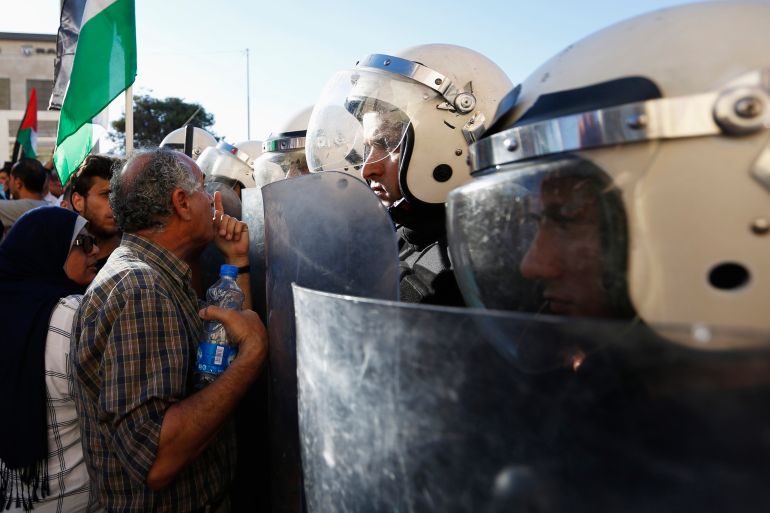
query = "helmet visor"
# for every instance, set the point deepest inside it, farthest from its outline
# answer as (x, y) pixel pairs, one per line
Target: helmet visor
(273, 166)
(218, 164)
(605, 238)
(560, 240)
(362, 117)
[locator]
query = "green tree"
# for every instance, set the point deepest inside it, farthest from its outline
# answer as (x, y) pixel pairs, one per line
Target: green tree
(155, 118)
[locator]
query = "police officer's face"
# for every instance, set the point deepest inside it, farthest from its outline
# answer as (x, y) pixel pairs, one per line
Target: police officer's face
(381, 172)
(566, 252)
(382, 156)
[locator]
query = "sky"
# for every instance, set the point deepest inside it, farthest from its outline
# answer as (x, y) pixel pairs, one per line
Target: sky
(196, 50)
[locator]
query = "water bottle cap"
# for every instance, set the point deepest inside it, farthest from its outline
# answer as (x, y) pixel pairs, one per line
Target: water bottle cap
(228, 270)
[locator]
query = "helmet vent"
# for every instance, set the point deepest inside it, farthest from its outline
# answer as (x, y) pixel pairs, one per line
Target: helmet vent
(729, 276)
(442, 173)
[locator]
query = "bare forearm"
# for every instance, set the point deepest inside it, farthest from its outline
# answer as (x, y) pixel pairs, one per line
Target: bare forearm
(244, 283)
(190, 425)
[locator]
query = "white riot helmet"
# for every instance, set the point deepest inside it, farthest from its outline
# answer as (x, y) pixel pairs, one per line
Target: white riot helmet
(632, 176)
(251, 148)
(284, 151)
(227, 164)
(428, 103)
(200, 140)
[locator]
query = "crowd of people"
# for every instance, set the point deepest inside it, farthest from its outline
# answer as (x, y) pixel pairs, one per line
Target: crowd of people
(610, 186)
(160, 204)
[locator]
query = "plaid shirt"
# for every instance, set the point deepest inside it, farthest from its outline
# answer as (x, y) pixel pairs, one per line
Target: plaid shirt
(134, 346)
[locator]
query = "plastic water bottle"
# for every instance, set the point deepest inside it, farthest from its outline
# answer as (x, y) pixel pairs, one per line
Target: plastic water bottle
(215, 352)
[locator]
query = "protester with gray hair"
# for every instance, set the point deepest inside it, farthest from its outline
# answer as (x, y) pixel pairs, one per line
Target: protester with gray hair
(151, 443)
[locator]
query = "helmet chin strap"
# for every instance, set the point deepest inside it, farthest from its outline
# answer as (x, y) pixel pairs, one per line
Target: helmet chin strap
(399, 209)
(422, 223)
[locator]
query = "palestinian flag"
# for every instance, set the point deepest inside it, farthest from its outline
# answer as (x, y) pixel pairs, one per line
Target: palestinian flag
(103, 67)
(26, 137)
(66, 44)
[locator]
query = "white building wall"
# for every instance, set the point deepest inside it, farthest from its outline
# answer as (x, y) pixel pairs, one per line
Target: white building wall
(26, 57)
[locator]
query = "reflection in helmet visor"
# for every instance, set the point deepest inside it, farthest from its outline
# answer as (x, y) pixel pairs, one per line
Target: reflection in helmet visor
(560, 241)
(273, 166)
(383, 134)
(362, 116)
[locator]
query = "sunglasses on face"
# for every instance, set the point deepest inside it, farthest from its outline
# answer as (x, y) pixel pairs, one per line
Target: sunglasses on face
(85, 242)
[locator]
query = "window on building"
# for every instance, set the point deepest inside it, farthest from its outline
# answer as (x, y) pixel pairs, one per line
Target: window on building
(5, 93)
(44, 89)
(47, 128)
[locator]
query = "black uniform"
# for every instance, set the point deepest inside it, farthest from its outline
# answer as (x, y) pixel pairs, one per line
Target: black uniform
(425, 274)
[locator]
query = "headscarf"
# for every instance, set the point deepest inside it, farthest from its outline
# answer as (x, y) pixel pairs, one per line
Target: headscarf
(32, 280)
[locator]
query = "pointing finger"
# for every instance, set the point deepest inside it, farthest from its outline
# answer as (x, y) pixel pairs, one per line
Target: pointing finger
(218, 210)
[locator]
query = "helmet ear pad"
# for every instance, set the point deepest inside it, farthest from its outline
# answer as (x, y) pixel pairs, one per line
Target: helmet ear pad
(416, 214)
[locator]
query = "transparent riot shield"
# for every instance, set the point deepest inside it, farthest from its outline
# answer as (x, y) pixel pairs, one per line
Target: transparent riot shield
(415, 408)
(254, 217)
(327, 231)
(211, 258)
(251, 488)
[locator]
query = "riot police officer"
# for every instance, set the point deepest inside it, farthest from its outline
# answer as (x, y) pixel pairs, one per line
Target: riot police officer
(629, 182)
(283, 152)
(195, 141)
(404, 123)
(618, 221)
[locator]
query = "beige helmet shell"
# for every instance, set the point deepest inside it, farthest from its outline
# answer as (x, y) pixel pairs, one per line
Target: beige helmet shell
(283, 152)
(251, 148)
(226, 161)
(298, 122)
(692, 203)
(438, 133)
(201, 140)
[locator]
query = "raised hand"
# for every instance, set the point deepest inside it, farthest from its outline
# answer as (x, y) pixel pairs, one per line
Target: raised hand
(232, 236)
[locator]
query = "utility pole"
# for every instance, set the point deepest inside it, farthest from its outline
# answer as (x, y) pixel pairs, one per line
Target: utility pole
(248, 100)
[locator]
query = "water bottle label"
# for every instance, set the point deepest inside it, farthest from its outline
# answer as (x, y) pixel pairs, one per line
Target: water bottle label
(215, 358)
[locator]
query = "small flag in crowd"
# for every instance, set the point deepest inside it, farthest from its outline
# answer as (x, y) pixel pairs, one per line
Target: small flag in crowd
(103, 67)
(26, 137)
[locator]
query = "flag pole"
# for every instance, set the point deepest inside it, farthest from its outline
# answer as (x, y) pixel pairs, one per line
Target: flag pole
(129, 120)
(248, 100)
(15, 154)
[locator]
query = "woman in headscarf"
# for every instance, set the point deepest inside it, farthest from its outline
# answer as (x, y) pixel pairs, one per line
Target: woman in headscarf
(46, 261)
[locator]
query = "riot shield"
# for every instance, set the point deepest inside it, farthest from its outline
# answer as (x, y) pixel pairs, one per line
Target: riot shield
(415, 408)
(251, 487)
(254, 217)
(231, 201)
(327, 231)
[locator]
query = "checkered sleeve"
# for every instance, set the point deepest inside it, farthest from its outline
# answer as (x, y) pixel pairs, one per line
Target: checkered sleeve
(144, 372)
(67, 475)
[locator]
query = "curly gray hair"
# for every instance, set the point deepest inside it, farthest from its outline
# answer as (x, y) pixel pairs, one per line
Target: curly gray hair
(142, 200)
